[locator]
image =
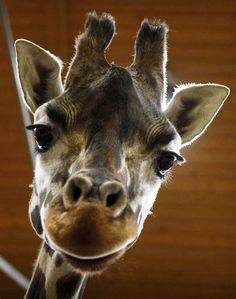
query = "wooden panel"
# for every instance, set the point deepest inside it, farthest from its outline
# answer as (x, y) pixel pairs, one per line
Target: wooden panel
(187, 249)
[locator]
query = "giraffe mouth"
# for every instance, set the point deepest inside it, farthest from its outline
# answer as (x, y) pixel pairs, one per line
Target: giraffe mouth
(95, 265)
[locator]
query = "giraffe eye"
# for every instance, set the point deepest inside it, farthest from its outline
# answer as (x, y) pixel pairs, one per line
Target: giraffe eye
(43, 137)
(166, 161)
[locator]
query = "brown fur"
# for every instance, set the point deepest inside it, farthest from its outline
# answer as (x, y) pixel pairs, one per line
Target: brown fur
(93, 232)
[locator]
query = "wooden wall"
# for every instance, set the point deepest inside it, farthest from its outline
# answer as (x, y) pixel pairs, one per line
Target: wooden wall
(188, 247)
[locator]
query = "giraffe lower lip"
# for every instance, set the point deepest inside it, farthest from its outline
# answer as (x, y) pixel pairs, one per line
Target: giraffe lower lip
(93, 265)
(88, 259)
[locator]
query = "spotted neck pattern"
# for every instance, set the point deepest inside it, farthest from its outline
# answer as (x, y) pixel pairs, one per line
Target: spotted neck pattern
(53, 278)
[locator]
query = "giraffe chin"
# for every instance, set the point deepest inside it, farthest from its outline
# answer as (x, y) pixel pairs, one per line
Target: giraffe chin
(93, 266)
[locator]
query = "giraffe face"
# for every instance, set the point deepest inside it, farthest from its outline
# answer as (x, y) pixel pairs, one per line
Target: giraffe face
(105, 139)
(98, 176)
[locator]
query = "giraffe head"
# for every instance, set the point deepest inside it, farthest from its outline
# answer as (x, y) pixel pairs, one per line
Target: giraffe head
(105, 139)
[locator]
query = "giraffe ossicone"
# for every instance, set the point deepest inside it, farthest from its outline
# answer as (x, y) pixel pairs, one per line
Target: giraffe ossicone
(106, 139)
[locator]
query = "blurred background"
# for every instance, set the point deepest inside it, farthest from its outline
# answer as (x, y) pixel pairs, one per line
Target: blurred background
(188, 246)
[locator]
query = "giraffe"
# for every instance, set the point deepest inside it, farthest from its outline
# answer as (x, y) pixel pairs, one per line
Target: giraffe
(105, 140)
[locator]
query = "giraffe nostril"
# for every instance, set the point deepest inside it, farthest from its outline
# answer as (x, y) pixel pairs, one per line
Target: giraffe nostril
(112, 199)
(76, 188)
(113, 196)
(76, 193)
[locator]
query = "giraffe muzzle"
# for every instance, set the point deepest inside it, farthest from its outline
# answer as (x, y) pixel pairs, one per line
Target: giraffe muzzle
(92, 222)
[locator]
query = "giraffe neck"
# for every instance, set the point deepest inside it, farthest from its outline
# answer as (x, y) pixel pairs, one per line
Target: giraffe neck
(53, 278)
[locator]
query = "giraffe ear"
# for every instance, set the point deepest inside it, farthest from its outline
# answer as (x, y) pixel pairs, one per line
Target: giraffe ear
(193, 107)
(39, 73)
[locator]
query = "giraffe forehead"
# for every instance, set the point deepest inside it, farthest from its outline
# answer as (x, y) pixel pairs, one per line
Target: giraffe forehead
(111, 107)
(111, 123)
(110, 97)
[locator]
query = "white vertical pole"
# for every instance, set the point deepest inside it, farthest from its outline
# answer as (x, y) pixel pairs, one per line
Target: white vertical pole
(5, 266)
(13, 273)
(11, 50)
